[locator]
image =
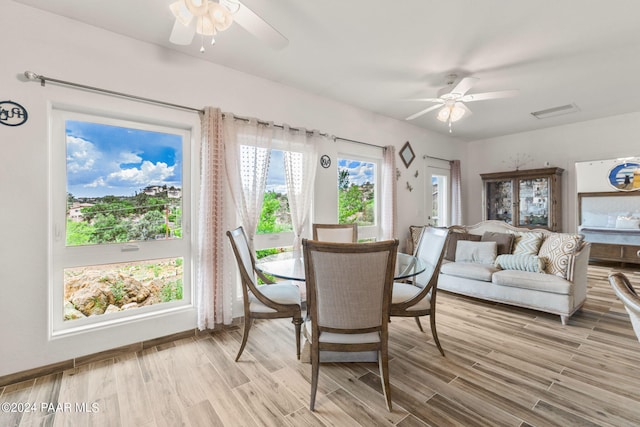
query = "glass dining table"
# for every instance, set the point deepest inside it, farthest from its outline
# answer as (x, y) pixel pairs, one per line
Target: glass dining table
(290, 265)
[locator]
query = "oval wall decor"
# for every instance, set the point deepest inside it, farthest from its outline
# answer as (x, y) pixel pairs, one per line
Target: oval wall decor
(12, 113)
(625, 176)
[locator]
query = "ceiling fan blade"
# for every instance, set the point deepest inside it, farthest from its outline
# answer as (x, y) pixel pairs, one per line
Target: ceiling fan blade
(257, 26)
(490, 95)
(464, 85)
(464, 107)
(425, 111)
(182, 34)
(438, 100)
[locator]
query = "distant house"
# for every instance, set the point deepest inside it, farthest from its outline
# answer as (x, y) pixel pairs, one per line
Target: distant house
(174, 193)
(75, 211)
(153, 190)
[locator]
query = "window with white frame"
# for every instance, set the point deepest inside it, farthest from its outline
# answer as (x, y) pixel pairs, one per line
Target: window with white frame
(358, 193)
(437, 197)
(274, 231)
(120, 215)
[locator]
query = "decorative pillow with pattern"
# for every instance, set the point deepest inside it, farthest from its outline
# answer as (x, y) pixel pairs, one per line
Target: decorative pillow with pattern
(415, 231)
(526, 242)
(523, 262)
(556, 251)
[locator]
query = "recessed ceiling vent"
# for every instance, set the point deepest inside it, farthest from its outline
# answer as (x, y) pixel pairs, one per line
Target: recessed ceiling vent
(555, 111)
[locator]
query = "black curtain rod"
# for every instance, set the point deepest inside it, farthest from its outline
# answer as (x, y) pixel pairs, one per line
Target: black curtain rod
(33, 76)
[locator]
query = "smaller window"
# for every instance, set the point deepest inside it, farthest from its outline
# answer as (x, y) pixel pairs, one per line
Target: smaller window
(356, 192)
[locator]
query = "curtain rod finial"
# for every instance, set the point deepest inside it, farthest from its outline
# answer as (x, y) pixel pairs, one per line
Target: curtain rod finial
(31, 75)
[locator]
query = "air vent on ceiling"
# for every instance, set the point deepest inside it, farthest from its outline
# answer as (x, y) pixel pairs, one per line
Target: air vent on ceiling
(555, 111)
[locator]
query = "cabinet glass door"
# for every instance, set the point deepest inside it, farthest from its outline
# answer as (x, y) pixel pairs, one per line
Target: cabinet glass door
(499, 196)
(533, 202)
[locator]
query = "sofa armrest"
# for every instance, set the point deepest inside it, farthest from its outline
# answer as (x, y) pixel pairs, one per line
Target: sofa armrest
(577, 273)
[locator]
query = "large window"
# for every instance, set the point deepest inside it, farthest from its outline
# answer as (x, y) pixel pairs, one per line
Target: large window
(120, 215)
(437, 197)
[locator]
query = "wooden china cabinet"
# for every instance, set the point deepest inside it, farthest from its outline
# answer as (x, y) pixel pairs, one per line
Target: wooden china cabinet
(524, 198)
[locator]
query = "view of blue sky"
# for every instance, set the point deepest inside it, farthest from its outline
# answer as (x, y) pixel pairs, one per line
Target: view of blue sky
(359, 172)
(110, 160)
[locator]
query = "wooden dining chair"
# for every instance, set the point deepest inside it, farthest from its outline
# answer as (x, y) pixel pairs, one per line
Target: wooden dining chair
(341, 233)
(348, 297)
(268, 301)
(419, 298)
(629, 297)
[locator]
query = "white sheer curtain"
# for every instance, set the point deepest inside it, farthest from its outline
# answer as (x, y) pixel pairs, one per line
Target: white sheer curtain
(456, 196)
(247, 154)
(388, 192)
(300, 163)
(214, 273)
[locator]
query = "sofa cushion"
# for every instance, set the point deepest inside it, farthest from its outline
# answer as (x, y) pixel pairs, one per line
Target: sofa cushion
(452, 243)
(469, 270)
(533, 281)
(523, 262)
(556, 251)
(479, 252)
(526, 242)
(504, 241)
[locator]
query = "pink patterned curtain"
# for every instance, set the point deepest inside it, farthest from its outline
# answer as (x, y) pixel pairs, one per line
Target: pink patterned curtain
(388, 187)
(456, 196)
(214, 276)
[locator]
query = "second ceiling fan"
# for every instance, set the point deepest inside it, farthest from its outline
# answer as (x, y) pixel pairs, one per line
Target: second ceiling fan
(451, 99)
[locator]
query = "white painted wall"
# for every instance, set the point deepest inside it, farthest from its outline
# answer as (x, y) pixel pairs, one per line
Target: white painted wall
(561, 146)
(64, 49)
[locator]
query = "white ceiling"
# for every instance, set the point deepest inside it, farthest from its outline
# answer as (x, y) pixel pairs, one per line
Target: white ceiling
(379, 54)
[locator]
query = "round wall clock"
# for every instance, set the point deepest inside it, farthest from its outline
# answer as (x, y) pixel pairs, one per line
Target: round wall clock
(325, 161)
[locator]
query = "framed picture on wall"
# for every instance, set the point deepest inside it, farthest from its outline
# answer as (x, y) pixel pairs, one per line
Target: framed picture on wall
(407, 155)
(625, 176)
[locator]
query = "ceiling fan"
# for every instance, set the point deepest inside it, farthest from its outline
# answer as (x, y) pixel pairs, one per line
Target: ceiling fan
(207, 18)
(451, 99)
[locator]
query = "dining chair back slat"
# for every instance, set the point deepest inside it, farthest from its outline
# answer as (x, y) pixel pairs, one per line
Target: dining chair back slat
(342, 233)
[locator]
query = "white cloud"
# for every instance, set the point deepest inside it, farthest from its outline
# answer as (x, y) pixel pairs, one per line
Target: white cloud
(148, 174)
(81, 155)
(129, 158)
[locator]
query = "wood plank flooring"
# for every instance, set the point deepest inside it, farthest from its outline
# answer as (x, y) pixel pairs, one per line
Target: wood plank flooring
(504, 366)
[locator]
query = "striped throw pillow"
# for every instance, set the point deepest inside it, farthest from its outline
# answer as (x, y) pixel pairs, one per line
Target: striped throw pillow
(522, 262)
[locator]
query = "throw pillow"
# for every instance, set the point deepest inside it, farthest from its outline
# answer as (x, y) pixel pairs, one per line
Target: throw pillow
(452, 243)
(504, 241)
(476, 252)
(415, 231)
(556, 251)
(627, 222)
(526, 242)
(523, 262)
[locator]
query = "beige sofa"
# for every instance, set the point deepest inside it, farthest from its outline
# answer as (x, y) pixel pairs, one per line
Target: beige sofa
(550, 277)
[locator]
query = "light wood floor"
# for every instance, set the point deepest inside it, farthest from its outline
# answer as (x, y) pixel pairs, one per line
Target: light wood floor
(504, 367)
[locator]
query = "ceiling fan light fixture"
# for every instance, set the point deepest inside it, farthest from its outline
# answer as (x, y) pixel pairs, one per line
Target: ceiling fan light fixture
(197, 7)
(451, 112)
(181, 13)
(220, 16)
